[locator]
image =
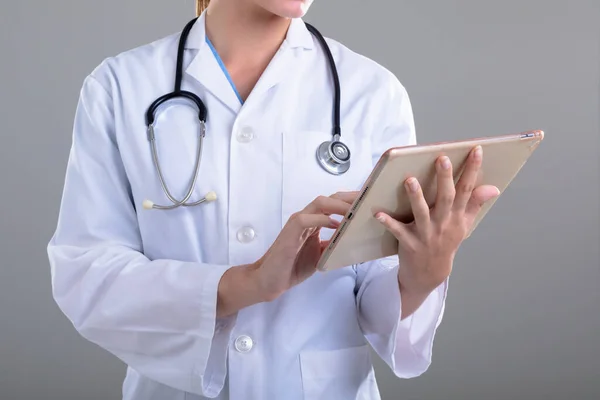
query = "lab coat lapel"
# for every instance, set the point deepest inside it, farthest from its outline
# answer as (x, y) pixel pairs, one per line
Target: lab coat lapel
(298, 38)
(280, 66)
(206, 69)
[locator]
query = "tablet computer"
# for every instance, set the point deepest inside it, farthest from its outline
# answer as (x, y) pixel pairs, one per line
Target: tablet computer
(361, 238)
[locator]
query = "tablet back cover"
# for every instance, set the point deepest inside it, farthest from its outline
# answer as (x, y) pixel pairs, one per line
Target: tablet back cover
(362, 238)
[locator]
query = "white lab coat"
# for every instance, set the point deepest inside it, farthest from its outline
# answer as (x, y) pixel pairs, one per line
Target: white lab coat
(142, 284)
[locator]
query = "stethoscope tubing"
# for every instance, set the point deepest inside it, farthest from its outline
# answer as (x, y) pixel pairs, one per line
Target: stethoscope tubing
(326, 155)
(194, 179)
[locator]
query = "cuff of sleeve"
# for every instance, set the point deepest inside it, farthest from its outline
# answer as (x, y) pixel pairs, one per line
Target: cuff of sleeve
(413, 337)
(405, 345)
(209, 373)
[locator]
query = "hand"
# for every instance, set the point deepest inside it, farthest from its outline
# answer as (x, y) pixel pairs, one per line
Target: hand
(289, 261)
(294, 255)
(427, 246)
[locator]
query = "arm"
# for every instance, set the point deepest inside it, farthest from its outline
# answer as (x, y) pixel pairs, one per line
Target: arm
(161, 317)
(403, 341)
(399, 323)
(239, 288)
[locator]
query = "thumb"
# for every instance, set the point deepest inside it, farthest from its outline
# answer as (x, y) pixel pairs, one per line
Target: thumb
(324, 245)
(480, 196)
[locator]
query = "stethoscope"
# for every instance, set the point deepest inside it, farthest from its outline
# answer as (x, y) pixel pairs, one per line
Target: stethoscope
(333, 155)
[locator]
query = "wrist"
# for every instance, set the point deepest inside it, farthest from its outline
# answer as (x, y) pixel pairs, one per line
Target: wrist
(238, 289)
(261, 289)
(412, 293)
(424, 279)
(412, 285)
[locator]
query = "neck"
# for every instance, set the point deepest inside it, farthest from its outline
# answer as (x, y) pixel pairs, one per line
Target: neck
(243, 32)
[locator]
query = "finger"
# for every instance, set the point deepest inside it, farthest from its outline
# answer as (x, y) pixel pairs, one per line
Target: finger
(328, 206)
(396, 228)
(324, 244)
(302, 221)
(468, 179)
(481, 195)
(419, 205)
(348, 197)
(446, 191)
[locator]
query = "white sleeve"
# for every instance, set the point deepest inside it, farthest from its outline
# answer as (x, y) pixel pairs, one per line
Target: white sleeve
(405, 345)
(157, 316)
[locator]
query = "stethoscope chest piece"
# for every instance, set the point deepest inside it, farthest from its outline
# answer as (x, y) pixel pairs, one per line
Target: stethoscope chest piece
(334, 156)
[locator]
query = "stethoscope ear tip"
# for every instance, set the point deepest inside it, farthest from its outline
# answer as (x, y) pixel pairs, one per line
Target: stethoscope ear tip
(211, 196)
(148, 205)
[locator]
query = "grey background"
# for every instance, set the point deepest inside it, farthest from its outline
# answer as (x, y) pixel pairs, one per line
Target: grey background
(523, 316)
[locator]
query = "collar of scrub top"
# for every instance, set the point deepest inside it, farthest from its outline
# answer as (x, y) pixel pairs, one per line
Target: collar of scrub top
(207, 67)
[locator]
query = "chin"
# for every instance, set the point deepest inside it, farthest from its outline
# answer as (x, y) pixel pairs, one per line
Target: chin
(288, 8)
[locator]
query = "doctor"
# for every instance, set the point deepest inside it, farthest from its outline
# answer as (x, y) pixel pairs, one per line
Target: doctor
(220, 299)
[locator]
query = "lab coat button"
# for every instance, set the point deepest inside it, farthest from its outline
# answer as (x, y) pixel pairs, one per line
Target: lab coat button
(244, 344)
(246, 235)
(245, 135)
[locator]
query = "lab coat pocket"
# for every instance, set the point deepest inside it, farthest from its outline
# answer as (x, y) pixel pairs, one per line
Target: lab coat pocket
(344, 374)
(303, 177)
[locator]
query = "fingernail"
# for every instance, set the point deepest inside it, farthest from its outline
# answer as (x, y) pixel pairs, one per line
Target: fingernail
(445, 162)
(380, 217)
(478, 152)
(413, 184)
